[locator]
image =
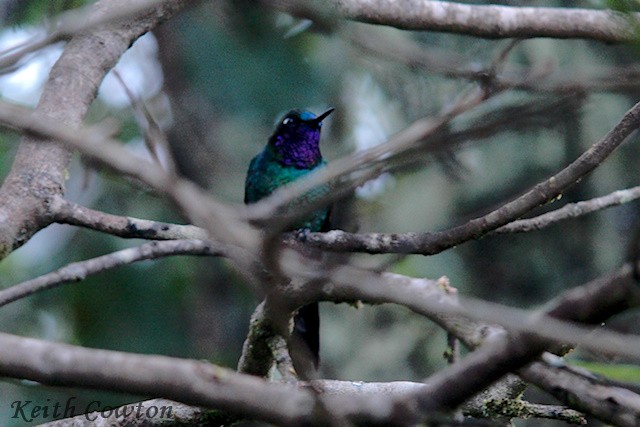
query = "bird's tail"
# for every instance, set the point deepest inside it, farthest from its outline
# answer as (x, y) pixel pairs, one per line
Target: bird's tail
(306, 329)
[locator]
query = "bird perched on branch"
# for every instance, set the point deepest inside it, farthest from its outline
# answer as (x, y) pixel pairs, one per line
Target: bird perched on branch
(293, 150)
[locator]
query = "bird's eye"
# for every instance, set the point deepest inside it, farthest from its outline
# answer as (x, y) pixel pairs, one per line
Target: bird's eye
(287, 121)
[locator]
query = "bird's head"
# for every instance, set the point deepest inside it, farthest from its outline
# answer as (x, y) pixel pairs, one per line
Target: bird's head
(296, 140)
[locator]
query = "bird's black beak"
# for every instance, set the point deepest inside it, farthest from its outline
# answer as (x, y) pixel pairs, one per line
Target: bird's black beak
(323, 116)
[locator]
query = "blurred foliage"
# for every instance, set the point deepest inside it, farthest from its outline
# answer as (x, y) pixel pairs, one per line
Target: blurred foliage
(229, 72)
(624, 6)
(629, 374)
(35, 11)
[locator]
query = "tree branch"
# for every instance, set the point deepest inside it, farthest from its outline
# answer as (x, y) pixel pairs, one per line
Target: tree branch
(517, 408)
(191, 382)
(613, 405)
(530, 333)
(66, 212)
(570, 210)
(259, 347)
(591, 303)
(220, 219)
(540, 78)
(493, 21)
(78, 271)
(199, 383)
(439, 302)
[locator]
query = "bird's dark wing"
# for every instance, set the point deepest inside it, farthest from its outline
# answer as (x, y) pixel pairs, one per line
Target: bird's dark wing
(326, 225)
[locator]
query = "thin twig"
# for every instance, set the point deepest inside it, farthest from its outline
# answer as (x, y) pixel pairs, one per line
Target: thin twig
(571, 210)
(78, 271)
(154, 137)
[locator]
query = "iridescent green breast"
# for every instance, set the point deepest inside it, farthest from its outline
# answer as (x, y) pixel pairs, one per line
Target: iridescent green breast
(266, 174)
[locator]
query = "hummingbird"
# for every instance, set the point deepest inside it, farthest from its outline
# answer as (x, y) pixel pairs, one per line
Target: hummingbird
(293, 151)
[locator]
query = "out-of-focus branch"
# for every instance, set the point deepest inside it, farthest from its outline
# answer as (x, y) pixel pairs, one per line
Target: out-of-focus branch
(78, 271)
(66, 212)
(493, 21)
(436, 242)
(218, 218)
(621, 80)
(38, 171)
(423, 137)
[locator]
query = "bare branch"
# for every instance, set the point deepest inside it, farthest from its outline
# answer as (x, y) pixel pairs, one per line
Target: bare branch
(438, 301)
(591, 303)
(200, 384)
(78, 271)
(571, 210)
(151, 413)
(542, 78)
(613, 405)
(191, 382)
(66, 212)
(493, 21)
(154, 137)
(608, 291)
